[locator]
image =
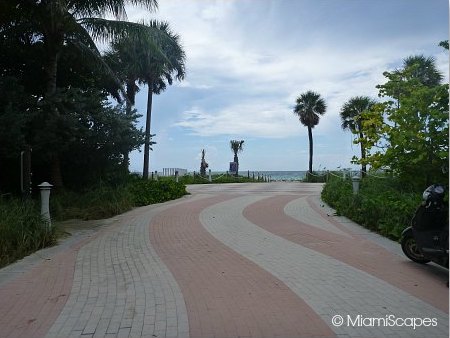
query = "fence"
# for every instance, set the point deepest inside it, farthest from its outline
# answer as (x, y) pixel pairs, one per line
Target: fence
(171, 171)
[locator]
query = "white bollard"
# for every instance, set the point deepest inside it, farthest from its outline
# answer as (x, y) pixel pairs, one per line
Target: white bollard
(209, 176)
(156, 175)
(355, 181)
(45, 188)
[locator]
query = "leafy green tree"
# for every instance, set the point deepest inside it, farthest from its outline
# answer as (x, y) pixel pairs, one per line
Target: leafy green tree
(411, 133)
(55, 24)
(351, 115)
(99, 132)
(236, 147)
(309, 106)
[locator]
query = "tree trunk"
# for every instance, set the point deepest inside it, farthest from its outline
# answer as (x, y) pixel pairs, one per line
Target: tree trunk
(147, 131)
(56, 175)
(51, 74)
(310, 149)
(26, 173)
(236, 159)
(129, 106)
(363, 156)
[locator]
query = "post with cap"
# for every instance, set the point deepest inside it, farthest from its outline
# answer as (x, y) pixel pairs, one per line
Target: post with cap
(45, 188)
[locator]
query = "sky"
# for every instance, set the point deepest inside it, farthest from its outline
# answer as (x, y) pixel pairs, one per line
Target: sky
(248, 60)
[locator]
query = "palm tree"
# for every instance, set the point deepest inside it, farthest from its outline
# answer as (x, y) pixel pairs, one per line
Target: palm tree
(236, 146)
(423, 69)
(129, 58)
(160, 69)
(416, 67)
(308, 107)
(351, 115)
(58, 23)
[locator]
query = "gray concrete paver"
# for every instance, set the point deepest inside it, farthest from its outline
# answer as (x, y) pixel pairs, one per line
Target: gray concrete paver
(344, 290)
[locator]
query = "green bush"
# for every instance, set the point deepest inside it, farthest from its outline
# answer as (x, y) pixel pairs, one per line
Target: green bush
(149, 192)
(381, 205)
(315, 177)
(218, 178)
(22, 230)
(100, 202)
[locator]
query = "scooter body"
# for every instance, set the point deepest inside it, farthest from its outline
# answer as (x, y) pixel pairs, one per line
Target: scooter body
(427, 238)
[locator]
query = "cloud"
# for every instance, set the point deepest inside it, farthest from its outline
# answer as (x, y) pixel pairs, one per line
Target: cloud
(251, 119)
(247, 61)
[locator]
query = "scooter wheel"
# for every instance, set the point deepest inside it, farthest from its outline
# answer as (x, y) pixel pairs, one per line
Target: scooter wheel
(410, 249)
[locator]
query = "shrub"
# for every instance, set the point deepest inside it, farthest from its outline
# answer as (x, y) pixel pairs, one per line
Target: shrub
(22, 230)
(218, 178)
(100, 202)
(381, 205)
(149, 192)
(315, 177)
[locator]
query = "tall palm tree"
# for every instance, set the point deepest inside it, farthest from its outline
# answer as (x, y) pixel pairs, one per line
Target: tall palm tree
(129, 58)
(237, 147)
(423, 69)
(351, 115)
(57, 23)
(160, 69)
(308, 107)
(416, 67)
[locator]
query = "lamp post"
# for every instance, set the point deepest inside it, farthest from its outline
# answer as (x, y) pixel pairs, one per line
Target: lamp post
(45, 188)
(355, 182)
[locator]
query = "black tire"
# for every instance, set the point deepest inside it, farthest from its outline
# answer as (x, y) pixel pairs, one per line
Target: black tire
(410, 249)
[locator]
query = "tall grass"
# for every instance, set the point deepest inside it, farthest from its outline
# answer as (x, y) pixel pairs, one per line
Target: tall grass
(22, 230)
(106, 201)
(382, 205)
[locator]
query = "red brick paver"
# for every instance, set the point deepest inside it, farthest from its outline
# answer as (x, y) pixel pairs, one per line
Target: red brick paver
(227, 295)
(359, 253)
(31, 303)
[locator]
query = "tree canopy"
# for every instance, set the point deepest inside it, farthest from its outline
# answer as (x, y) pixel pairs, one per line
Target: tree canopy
(408, 133)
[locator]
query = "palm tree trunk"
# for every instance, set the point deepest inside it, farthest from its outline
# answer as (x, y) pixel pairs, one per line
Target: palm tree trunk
(236, 159)
(129, 105)
(51, 73)
(310, 149)
(147, 130)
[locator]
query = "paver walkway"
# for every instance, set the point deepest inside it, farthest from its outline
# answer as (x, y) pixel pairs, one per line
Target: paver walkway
(230, 260)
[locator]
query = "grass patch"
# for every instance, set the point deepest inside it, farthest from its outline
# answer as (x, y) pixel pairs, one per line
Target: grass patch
(105, 201)
(22, 230)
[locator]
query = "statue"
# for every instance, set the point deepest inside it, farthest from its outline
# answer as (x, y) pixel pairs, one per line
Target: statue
(203, 164)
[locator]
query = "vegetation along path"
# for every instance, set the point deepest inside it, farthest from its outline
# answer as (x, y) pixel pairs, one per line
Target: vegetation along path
(229, 260)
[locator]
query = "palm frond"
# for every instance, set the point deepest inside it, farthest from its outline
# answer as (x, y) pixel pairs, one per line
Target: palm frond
(101, 8)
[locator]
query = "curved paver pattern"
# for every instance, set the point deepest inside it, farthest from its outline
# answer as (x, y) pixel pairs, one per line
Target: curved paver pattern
(301, 210)
(30, 301)
(122, 288)
(227, 295)
(359, 253)
(231, 260)
(329, 286)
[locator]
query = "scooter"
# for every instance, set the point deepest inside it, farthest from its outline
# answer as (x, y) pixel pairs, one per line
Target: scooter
(426, 240)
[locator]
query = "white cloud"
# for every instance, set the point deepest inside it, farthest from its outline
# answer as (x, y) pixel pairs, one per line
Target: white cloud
(254, 119)
(244, 72)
